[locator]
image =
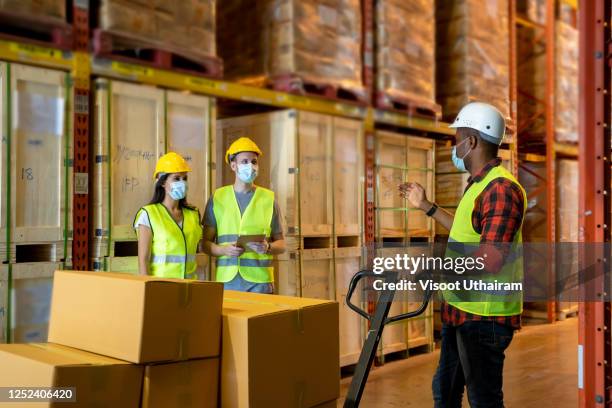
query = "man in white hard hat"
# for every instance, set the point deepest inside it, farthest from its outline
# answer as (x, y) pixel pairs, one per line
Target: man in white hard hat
(478, 325)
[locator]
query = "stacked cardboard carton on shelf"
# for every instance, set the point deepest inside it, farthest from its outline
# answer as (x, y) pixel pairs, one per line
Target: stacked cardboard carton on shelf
(534, 10)
(472, 55)
(566, 83)
(54, 9)
(405, 53)
(186, 27)
(567, 233)
(531, 74)
(171, 342)
(281, 42)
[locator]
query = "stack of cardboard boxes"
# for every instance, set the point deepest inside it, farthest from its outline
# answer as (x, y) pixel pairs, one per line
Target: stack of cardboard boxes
(129, 341)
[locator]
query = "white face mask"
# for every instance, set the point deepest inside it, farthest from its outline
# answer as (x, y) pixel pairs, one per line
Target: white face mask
(247, 172)
(178, 190)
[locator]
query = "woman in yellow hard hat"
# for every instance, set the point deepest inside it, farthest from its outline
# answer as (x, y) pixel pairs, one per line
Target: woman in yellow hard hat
(168, 228)
(245, 210)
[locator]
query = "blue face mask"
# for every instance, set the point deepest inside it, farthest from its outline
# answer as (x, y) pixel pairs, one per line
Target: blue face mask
(178, 190)
(247, 172)
(459, 162)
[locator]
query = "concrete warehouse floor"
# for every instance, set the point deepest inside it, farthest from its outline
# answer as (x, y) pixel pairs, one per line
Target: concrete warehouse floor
(541, 371)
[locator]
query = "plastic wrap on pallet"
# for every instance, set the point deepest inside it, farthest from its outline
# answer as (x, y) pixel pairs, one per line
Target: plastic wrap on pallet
(531, 177)
(567, 201)
(186, 26)
(472, 54)
(534, 10)
(566, 92)
(127, 18)
(46, 8)
(531, 71)
(316, 40)
(405, 60)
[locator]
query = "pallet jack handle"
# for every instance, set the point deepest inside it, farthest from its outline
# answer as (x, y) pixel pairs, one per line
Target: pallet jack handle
(377, 323)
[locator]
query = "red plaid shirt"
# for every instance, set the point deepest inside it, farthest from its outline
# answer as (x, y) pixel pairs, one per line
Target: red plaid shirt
(497, 216)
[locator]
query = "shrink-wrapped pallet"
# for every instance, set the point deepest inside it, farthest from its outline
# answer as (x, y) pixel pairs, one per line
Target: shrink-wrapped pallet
(186, 26)
(318, 41)
(534, 10)
(531, 74)
(405, 47)
(472, 54)
(39, 8)
(566, 92)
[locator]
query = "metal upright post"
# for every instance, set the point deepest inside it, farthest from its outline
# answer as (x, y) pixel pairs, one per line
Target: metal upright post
(81, 96)
(594, 339)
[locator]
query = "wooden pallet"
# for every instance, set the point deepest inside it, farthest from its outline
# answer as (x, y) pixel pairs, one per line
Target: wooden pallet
(131, 49)
(116, 248)
(28, 252)
(296, 84)
(36, 30)
(409, 106)
(347, 241)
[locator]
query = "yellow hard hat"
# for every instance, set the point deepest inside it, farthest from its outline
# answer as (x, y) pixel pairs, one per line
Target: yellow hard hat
(171, 163)
(243, 144)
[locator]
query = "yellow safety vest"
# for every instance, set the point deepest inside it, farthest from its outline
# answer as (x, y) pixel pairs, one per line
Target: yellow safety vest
(463, 240)
(173, 250)
(256, 220)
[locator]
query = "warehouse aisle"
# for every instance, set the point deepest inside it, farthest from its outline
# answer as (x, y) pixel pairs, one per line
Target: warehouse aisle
(540, 372)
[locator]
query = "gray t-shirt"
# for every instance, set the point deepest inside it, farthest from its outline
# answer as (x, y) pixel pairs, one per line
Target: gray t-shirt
(243, 199)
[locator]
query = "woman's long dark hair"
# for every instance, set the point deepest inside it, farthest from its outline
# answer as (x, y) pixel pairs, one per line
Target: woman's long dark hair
(160, 193)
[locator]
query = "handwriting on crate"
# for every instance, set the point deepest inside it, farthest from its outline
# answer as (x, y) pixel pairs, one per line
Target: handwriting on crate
(129, 184)
(127, 153)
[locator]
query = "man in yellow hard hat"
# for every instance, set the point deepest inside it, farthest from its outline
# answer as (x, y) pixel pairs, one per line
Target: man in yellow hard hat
(168, 228)
(247, 210)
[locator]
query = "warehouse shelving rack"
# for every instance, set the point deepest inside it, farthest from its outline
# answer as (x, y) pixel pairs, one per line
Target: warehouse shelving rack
(83, 65)
(546, 110)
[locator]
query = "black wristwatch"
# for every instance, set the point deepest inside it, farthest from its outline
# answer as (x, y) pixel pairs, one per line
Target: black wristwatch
(432, 210)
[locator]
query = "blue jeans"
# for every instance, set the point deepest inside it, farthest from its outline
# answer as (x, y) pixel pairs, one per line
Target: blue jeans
(471, 356)
(238, 283)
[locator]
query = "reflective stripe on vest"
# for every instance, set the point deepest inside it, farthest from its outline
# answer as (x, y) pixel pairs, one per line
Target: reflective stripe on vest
(173, 248)
(256, 220)
(463, 240)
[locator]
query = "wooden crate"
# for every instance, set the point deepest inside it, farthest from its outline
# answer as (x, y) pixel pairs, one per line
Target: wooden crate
(294, 143)
(188, 129)
(306, 273)
(415, 332)
(287, 274)
(40, 154)
(348, 182)
(317, 274)
(401, 158)
(30, 286)
(347, 262)
(128, 139)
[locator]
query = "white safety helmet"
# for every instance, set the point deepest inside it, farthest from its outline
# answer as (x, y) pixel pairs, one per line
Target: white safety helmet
(484, 118)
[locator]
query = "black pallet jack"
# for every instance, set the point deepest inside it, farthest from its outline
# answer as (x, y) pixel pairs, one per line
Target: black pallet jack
(377, 324)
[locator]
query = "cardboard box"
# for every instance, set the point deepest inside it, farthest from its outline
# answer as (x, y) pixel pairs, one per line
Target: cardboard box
(140, 319)
(279, 351)
(328, 404)
(98, 380)
(192, 383)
